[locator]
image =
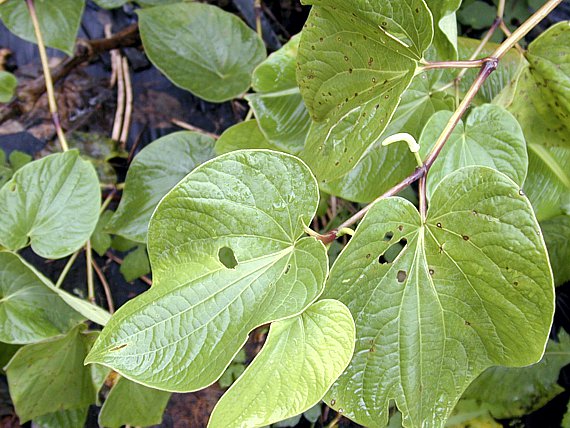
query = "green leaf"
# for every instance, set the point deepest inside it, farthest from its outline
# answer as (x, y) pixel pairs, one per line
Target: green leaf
(8, 84)
(541, 97)
(7, 351)
(29, 310)
(513, 392)
(449, 305)
(50, 376)
(18, 159)
(445, 28)
(300, 360)
(355, 61)
(477, 15)
(52, 204)
(110, 4)
(234, 370)
(71, 418)
(153, 172)
(278, 105)
(201, 48)
(132, 404)
(59, 21)
(490, 137)
(135, 264)
(182, 333)
(548, 180)
(243, 135)
(101, 240)
(556, 233)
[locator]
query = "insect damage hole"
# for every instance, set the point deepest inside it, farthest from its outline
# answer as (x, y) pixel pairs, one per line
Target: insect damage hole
(392, 252)
(227, 257)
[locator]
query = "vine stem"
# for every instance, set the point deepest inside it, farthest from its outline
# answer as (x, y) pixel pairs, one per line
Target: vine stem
(489, 65)
(66, 269)
(258, 27)
(47, 75)
(470, 63)
(90, 283)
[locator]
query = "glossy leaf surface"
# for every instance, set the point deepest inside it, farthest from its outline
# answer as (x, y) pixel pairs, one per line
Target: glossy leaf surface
(201, 48)
(50, 376)
(227, 256)
(449, 305)
(129, 403)
(29, 310)
(278, 105)
(300, 360)
(153, 172)
(541, 99)
(491, 137)
(52, 204)
(355, 61)
(59, 21)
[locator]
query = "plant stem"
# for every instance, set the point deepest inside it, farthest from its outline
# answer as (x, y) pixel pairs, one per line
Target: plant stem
(119, 261)
(471, 63)
(89, 263)
(422, 196)
(47, 75)
(105, 285)
(524, 29)
(257, 9)
(66, 269)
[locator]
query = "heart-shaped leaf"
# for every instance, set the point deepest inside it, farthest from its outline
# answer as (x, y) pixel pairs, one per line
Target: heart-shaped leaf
(227, 256)
(491, 137)
(153, 172)
(435, 302)
(201, 48)
(52, 204)
(29, 310)
(300, 360)
(355, 61)
(59, 21)
(278, 105)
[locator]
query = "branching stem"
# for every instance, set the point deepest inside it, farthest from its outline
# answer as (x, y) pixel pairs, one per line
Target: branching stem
(47, 75)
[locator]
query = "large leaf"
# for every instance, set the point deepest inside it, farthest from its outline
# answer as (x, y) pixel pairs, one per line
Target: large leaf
(129, 403)
(548, 181)
(541, 98)
(50, 376)
(355, 61)
(491, 137)
(300, 360)
(201, 48)
(556, 232)
(52, 204)
(278, 106)
(29, 310)
(471, 288)
(513, 392)
(227, 256)
(59, 21)
(153, 172)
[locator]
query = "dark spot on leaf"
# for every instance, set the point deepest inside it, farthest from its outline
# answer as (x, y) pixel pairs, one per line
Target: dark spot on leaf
(438, 225)
(287, 269)
(475, 212)
(400, 228)
(227, 257)
(465, 238)
(521, 192)
(516, 283)
(431, 272)
(117, 348)
(467, 323)
(13, 187)
(368, 256)
(401, 275)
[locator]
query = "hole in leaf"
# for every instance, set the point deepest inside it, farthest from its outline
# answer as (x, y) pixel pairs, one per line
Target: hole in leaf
(287, 269)
(388, 236)
(465, 238)
(227, 258)
(117, 348)
(392, 252)
(401, 276)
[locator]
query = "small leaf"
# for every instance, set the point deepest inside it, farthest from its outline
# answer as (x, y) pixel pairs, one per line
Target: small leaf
(153, 172)
(477, 15)
(52, 204)
(541, 98)
(449, 305)
(355, 61)
(278, 105)
(8, 84)
(513, 392)
(132, 404)
(201, 48)
(548, 180)
(445, 29)
(110, 4)
(101, 240)
(50, 376)
(255, 203)
(29, 310)
(135, 264)
(490, 137)
(243, 135)
(300, 360)
(59, 21)
(18, 159)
